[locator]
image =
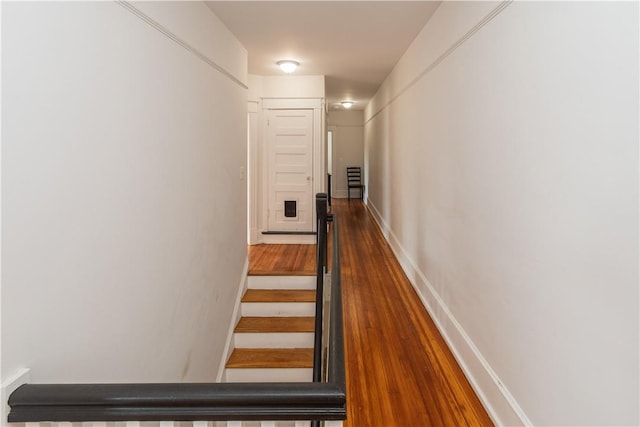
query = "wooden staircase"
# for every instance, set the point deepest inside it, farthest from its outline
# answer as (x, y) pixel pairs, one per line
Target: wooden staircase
(273, 340)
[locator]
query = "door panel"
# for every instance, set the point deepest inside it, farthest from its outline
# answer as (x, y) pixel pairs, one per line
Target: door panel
(290, 169)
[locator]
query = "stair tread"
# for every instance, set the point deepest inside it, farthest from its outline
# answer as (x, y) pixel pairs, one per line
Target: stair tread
(280, 273)
(271, 358)
(278, 295)
(276, 324)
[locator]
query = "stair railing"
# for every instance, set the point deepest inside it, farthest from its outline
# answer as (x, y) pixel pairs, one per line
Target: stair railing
(209, 404)
(323, 219)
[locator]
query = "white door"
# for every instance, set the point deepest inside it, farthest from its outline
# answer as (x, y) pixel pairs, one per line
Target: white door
(290, 170)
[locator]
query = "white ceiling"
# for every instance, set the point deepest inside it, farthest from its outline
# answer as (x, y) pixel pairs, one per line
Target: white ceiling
(355, 44)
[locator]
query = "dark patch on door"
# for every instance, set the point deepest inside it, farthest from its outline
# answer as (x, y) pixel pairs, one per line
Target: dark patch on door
(290, 209)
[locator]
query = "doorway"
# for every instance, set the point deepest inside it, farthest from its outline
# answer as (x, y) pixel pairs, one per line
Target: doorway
(290, 170)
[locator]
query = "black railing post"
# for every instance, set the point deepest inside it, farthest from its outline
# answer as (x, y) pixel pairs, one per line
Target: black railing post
(321, 260)
(329, 189)
(323, 218)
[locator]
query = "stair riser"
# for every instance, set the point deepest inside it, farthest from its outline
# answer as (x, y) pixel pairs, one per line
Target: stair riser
(273, 340)
(269, 375)
(281, 282)
(280, 309)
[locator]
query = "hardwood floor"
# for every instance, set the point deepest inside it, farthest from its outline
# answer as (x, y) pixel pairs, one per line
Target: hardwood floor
(276, 295)
(399, 370)
(271, 358)
(276, 324)
(282, 260)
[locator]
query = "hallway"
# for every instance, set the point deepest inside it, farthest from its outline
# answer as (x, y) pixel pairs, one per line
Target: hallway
(499, 145)
(399, 369)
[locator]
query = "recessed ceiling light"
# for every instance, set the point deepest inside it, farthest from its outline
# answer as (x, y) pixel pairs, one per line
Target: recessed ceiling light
(288, 66)
(347, 104)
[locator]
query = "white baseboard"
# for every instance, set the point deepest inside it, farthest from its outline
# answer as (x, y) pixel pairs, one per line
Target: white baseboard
(498, 401)
(235, 317)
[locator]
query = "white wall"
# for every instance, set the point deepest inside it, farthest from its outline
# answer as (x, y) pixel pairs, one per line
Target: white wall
(291, 86)
(123, 226)
(502, 155)
(348, 147)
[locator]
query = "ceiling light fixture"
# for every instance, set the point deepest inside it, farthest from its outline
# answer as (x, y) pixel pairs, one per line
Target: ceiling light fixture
(347, 104)
(288, 66)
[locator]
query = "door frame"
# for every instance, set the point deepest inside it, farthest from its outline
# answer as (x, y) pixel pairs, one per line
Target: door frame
(331, 158)
(303, 221)
(318, 164)
(253, 170)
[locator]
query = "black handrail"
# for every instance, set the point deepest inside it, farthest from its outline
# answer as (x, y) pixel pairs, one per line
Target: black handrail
(336, 371)
(177, 402)
(201, 401)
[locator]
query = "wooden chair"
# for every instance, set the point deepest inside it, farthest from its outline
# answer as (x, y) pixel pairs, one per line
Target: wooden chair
(354, 180)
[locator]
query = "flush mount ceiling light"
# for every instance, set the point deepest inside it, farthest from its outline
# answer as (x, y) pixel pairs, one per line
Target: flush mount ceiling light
(288, 66)
(347, 104)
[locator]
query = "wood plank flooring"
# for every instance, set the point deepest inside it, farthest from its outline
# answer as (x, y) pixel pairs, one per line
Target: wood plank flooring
(282, 260)
(278, 295)
(399, 369)
(271, 358)
(276, 324)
